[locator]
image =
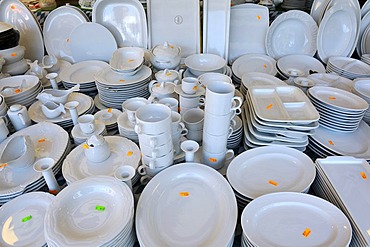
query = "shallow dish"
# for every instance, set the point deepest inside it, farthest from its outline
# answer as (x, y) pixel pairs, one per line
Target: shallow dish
(202, 63)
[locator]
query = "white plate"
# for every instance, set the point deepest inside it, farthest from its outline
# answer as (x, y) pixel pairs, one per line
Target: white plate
(365, 9)
(254, 63)
(108, 77)
(338, 98)
(102, 116)
(37, 115)
(331, 80)
(57, 30)
(22, 220)
(216, 27)
(288, 215)
(78, 134)
(175, 21)
(89, 212)
(21, 18)
(82, 72)
(303, 64)
(252, 173)
(362, 86)
(180, 198)
(200, 91)
(126, 20)
(123, 152)
(365, 21)
(31, 84)
(252, 79)
(293, 32)
(49, 140)
(349, 66)
(92, 41)
(251, 18)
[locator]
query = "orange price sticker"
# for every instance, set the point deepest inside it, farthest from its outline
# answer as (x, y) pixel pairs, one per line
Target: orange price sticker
(265, 66)
(13, 54)
(332, 98)
(213, 160)
(54, 192)
(12, 7)
(3, 165)
(110, 110)
(68, 40)
(363, 175)
(269, 106)
(122, 80)
(41, 140)
(184, 194)
(195, 88)
(17, 90)
(85, 146)
(168, 74)
(131, 60)
(129, 153)
(258, 17)
(171, 46)
(306, 232)
(331, 142)
(274, 183)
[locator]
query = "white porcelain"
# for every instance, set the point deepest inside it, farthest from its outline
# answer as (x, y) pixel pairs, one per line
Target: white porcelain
(216, 27)
(157, 151)
(209, 77)
(153, 119)
(72, 107)
(129, 27)
(200, 91)
(51, 63)
(148, 173)
(56, 96)
(220, 99)
(52, 110)
(82, 72)
(172, 103)
(17, 68)
(218, 124)
(293, 32)
(155, 140)
(12, 55)
(202, 63)
(19, 117)
(4, 131)
(19, 86)
(86, 123)
(125, 174)
(194, 119)
(254, 63)
(44, 166)
(166, 56)
(18, 153)
(189, 85)
(168, 75)
(161, 90)
(157, 162)
(331, 80)
(195, 135)
(25, 22)
(92, 41)
(190, 147)
(57, 34)
(215, 143)
(96, 149)
(217, 160)
(258, 79)
(302, 64)
(130, 106)
(251, 18)
(193, 102)
(127, 59)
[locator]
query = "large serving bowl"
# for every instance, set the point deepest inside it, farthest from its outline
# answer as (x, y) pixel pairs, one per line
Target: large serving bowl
(13, 55)
(9, 37)
(199, 64)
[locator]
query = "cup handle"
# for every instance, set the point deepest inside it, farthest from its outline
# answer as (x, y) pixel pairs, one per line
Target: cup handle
(21, 117)
(137, 129)
(230, 132)
(145, 180)
(154, 156)
(151, 84)
(152, 164)
(153, 142)
(229, 153)
(233, 123)
(184, 130)
(238, 101)
(6, 121)
(141, 170)
(202, 101)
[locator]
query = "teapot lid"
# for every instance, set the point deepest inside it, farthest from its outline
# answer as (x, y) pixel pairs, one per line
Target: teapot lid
(166, 49)
(15, 108)
(167, 75)
(164, 88)
(95, 140)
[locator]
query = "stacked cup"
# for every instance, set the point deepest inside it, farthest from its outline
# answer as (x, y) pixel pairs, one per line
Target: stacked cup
(190, 94)
(153, 126)
(220, 108)
(178, 130)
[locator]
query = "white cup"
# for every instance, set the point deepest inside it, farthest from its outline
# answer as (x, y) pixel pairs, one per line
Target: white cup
(172, 103)
(194, 119)
(217, 160)
(215, 144)
(189, 85)
(125, 174)
(157, 151)
(190, 147)
(4, 131)
(131, 105)
(155, 140)
(153, 119)
(193, 102)
(221, 100)
(218, 124)
(147, 172)
(19, 117)
(158, 162)
(195, 135)
(87, 123)
(210, 77)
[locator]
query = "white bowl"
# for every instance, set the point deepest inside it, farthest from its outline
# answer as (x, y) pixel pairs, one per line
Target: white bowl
(16, 68)
(127, 59)
(199, 64)
(13, 55)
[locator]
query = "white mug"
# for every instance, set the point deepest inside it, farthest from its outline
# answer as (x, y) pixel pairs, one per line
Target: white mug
(215, 144)
(87, 123)
(217, 160)
(153, 119)
(131, 105)
(172, 103)
(155, 140)
(218, 124)
(195, 135)
(194, 119)
(191, 102)
(221, 100)
(19, 117)
(158, 162)
(189, 85)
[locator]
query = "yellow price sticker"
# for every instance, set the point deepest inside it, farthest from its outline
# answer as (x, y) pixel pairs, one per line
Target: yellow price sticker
(13, 54)
(3, 165)
(265, 66)
(131, 60)
(332, 98)
(269, 107)
(195, 88)
(331, 142)
(42, 140)
(129, 153)
(272, 182)
(306, 232)
(363, 175)
(213, 160)
(68, 40)
(85, 146)
(184, 194)
(258, 17)
(122, 80)
(110, 110)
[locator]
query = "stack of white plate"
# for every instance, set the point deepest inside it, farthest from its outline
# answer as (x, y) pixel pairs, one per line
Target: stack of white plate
(361, 88)
(294, 219)
(3, 106)
(125, 128)
(82, 73)
(49, 140)
(252, 79)
(331, 80)
(114, 88)
(80, 137)
(298, 65)
(226, 71)
(364, 38)
(348, 67)
(108, 117)
(86, 106)
(95, 211)
(22, 220)
(123, 152)
(21, 89)
(265, 170)
(180, 211)
(336, 176)
(339, 110)
(252, 63)
(281, 115)
(237, 136)
(326, 142)
(365, 58)
(294, 4)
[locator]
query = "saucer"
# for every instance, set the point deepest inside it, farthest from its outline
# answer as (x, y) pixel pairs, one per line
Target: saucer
(98, 104)
(200, 91)
(108, 121)
(123, 122)
(77, 133)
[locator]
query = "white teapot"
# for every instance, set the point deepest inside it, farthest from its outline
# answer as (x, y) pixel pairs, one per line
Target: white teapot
(166, 56)
(169, 75)
(96, 148)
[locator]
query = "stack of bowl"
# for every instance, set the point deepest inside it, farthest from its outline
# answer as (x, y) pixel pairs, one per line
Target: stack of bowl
(11, 51)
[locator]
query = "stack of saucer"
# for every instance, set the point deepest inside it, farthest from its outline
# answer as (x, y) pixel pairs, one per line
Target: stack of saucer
(348, 67)
(294, 4)
(108, 117)
(190, 93)
(236, 137)
(126, 129)
(361, 88)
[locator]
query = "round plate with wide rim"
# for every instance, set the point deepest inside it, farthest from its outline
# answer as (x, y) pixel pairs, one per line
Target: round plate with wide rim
(302, 63)
(331, 80)
(291, 215)
(181, 213)
(293, 32)
(57, 30)
(82, 72)
(22, 220)
(362, 87)
(123, 152)
(254, 63)
(109, 77)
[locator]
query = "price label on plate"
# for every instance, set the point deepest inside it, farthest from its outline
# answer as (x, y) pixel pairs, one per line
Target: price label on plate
(269, 107)
(272, 182)
(306, 232)
(100, 208)
(27, 218)
(129, 153)
(184, 194)
(363, 175)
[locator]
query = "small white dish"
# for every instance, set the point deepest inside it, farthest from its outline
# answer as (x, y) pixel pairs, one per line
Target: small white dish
(127, 59)
(200, 91)
(202, 63)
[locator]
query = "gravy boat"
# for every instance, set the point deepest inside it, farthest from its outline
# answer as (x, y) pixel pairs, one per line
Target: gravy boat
(56, 95)
(52, 110)
(19, 152)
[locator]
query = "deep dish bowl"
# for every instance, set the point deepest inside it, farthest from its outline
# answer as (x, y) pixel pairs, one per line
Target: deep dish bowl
(13, 54)
(199, 64)
(9, 37)
(127, 59)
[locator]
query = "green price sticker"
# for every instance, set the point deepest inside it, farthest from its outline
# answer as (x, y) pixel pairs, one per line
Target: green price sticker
(100, 208)
(27, 218)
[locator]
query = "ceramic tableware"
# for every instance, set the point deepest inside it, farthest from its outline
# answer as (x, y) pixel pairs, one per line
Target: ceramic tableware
(19, 152)
(153, 119)
(130, 106)
(217, 160)
(190, 147)
(45, 165)
(87, 123)
(52, 110)
(55, 95)
(72, 107)
(221, 100)
(194, 119)
(172, 103)
(96, 149)
(166, 56)
(189, 85)
(4, 131)
(19, 117)
(125, 174)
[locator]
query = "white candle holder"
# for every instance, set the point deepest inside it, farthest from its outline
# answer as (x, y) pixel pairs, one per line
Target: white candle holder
(72, 107)
(45, 165)
(125, 174)
(190, 147)
(52, 77)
